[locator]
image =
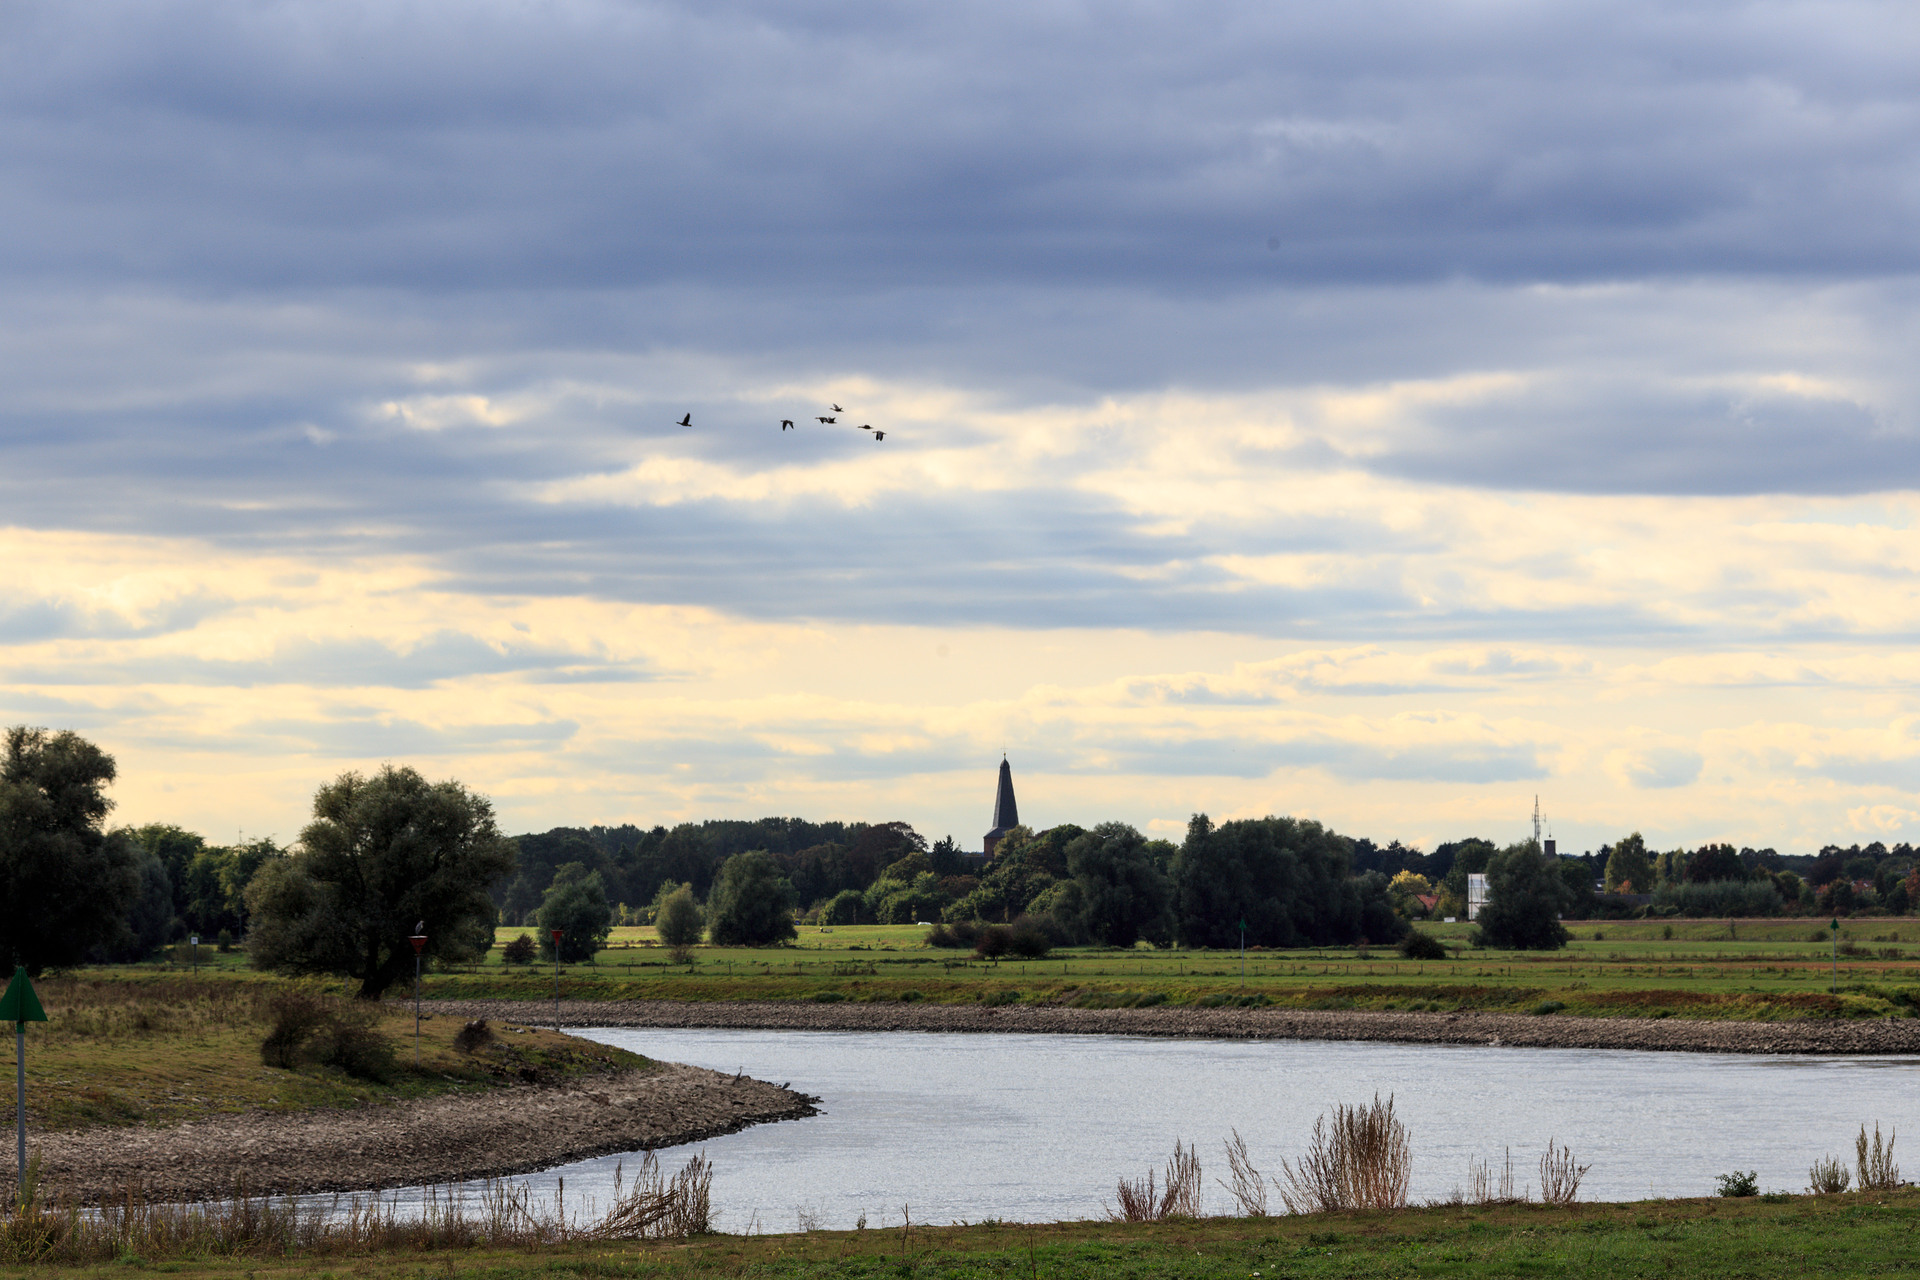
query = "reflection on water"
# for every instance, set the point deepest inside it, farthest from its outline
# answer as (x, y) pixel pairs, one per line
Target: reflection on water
(1039, 1128)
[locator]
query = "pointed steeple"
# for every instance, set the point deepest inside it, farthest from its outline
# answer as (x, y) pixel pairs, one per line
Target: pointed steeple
(1006, 814)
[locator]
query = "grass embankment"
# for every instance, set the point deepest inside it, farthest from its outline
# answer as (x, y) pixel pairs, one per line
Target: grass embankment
(1845, 1235)
(1744, 969)
(131, 1047)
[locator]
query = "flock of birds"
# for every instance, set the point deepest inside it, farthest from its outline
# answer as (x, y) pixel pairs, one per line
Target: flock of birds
(786, 424)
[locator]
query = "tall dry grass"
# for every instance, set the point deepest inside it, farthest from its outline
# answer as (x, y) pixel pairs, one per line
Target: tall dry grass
(500, 1213)
(1874, 1164)
(1560, 1176)
(1248, 1188)
(1178, 1197)
(1361, 1161)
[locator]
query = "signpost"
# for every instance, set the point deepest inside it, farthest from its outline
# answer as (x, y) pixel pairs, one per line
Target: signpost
(556, 978)
(21, 1006)
(1835, 926)
(419, 941)
(195, 941)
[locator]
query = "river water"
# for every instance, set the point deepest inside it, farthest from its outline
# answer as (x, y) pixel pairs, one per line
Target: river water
(1040, 1127)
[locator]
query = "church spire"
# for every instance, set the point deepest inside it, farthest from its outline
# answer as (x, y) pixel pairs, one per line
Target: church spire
(1006, 814)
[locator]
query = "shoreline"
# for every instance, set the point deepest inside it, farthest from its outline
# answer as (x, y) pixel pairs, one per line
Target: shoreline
(1510, 1030)
(504, 1131)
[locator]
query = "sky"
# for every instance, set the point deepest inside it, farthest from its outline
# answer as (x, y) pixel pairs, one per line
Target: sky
(1382, 413)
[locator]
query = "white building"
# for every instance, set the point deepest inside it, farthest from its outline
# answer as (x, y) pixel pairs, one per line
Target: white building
(1476, 895)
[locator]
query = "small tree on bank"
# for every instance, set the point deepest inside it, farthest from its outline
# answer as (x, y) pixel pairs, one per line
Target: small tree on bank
(751, 904)
(383, 854)
(576, 904)
(679, 921)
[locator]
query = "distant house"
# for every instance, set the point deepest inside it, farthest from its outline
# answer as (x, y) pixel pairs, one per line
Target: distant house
(1427, 901)
(1476, 895)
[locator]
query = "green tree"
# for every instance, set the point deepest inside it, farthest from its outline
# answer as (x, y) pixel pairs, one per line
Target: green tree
(576, 904)
(1122, 896)
(66, 883)
(383, 854)
(679, 921)
(1288, 878)
(1629, 864)
(1525, 896)
(751, 904)
(1712, 862)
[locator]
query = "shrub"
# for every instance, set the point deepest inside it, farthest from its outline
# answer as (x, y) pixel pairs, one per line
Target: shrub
(680, 922)
(1179, 1199)
(911, 997)
(331, 1033)
(1828, 1177)
(1029, 941)
(1876, 1168)
(993, 941)
(473, 1037)
(224, 941)
(1737, 1184)
(828, 997)
(1722, 899)
(296, 1016)
(1549, 1006)
(520, 951)
(946, 935)
(1560, 1176)
(1419, 945)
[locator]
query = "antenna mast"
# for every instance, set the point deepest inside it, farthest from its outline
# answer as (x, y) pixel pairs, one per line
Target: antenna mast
(1536, 824)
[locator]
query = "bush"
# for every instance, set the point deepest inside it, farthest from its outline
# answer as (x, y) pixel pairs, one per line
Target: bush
(1737, 1184)
(520, 951)
(330, 1033)
(679, 922)
(992, 941)
(849, 906)
(751, 903)
(1548, 1006)
(473, 1037)
(1029, 940)
(1524, 899)
(1418, 945)
(1828, 1177)
(225, 941)
(952, 935)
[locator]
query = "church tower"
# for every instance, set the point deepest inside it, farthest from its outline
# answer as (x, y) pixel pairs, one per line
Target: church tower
(1006, 815)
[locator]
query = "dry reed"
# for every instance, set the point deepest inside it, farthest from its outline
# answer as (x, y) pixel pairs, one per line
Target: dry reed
(1559, 1175)
(497, 1213)
(1248, 1188)
(1362, 1162)
(1178, 1198)
(1481, 1187)
(1828, 1177)
(1876, 1169)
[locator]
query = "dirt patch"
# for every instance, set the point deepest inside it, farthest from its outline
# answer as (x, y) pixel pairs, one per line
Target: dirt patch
(1865, 1036)
(486, 1133)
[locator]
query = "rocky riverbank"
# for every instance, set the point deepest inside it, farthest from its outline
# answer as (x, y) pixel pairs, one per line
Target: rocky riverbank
(1552, 1031)
(491, 1133)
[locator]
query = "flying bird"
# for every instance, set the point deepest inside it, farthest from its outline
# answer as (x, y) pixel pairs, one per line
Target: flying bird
(786, 424)
(879, 435)
(685, 422)
(826, 419)
(865, 427)
(838, 409)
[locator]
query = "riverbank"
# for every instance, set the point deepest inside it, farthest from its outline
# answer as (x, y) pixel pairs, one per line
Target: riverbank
(1550, 1031)
(505, 1130)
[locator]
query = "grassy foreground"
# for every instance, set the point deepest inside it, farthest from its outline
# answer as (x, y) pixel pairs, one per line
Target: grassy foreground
(130, 1047)
(1846, 1235)
(1779, 969)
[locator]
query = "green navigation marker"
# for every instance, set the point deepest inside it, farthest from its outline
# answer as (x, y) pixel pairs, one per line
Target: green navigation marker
(20, 1006)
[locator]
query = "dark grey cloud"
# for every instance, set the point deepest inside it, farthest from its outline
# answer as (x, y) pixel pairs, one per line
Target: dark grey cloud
(448, 147)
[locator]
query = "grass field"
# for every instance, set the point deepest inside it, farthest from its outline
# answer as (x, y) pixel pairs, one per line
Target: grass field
(124, 1047)
(1749, 969)
(1769, 1236)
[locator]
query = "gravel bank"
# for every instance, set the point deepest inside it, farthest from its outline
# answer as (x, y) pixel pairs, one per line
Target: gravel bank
(1552, 1031)
(506, 1130)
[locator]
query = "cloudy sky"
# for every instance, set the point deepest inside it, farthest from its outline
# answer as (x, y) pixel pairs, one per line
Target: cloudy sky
(1377, 412)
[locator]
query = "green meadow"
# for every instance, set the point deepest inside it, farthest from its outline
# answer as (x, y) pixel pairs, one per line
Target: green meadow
(1750, 969)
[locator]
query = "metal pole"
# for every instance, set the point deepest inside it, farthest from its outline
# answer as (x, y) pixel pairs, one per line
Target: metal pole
(416, 1008)
(20, 1102)
(556, 984)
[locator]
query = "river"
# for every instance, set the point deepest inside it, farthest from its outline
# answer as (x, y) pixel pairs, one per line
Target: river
(1040, 1127)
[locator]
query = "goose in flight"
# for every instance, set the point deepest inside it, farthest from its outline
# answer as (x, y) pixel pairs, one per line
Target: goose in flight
(879, 435)
(838, 409)
(786, 424)
(685, 422)
(826, 419)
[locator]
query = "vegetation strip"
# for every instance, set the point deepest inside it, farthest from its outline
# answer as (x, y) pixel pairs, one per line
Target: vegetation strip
(1761, 1237)
(448, 1138)
(1877, 1036)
